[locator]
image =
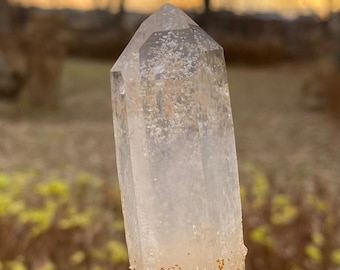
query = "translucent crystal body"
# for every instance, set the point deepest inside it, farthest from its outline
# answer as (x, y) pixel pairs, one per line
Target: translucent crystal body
(175, 148)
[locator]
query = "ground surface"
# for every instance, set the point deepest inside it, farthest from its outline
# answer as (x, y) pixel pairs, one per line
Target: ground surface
(273, 131)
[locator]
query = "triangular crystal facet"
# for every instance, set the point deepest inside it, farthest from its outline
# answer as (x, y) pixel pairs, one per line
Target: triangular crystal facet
(166, 23)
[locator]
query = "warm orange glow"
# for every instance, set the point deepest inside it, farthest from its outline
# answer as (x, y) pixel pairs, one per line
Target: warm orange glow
(83, 4)
(152, 5)
(145, 6)
(286, 7)
(321, 7)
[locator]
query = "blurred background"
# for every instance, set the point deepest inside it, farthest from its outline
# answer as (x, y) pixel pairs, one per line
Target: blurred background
(59, 198)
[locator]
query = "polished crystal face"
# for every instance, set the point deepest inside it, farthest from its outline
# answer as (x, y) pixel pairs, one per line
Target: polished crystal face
(175, 148)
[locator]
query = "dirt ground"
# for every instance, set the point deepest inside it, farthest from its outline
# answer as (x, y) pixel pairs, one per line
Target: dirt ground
(273, 131)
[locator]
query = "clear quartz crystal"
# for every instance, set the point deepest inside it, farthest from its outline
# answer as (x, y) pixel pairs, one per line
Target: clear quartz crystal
(175, 147)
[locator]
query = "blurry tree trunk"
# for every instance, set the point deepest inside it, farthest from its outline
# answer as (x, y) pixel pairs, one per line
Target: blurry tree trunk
(12, 62)
(207, 6)
(204, 18)
(121, 7)
(45, 51)
(4, 18)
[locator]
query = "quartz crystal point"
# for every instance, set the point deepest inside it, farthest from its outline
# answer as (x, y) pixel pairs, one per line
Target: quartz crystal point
(175, 148)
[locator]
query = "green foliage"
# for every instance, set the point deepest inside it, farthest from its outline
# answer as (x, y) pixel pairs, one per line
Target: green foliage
(77, 258)
(287, 229)
(54, 188)
(76, 219)
(59, 222)
(73, 221)
(282, 210)
(335, 256)
(318, 239)
(40, 218)
(314, 253)
(15, 265)
(48, 266)
(317, 203)
(4, 181)
(260, 189)
(116, 251)
(261, 236)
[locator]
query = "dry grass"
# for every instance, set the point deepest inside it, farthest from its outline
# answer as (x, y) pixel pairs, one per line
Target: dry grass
(78, 135)
(272, 130)
(297, 151)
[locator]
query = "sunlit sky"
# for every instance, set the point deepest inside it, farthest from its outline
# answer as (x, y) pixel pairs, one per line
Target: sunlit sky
(285, 7)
